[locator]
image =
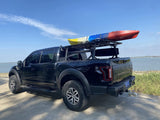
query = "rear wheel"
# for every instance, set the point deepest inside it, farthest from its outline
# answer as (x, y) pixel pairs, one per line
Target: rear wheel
(14, 84)
(74, 96)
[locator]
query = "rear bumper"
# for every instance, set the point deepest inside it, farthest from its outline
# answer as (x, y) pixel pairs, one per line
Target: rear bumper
(116, 88)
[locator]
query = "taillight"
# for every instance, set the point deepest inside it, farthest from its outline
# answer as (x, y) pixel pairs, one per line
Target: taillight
(110, 73)
(106, 72)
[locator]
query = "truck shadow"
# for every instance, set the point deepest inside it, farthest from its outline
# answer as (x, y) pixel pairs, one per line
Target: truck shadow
(96, 101)
(100, 100)
(52, 96)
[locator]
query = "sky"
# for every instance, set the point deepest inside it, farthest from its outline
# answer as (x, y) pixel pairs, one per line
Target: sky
(28, 25)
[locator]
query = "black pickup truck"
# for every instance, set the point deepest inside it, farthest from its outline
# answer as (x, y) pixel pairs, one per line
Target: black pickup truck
(76, 72)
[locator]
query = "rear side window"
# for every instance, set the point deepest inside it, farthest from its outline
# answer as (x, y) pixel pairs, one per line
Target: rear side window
(48, 56)
(76, 56)
(33, 58)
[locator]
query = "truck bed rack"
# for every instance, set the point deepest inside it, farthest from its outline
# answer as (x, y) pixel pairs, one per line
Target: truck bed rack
(91, 47)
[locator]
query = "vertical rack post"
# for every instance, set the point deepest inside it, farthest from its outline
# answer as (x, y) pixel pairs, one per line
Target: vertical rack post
(66, 55)
(93, 52)
(115, 50)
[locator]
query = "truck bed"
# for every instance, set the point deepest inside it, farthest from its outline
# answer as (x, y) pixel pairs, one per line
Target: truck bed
(120, 69)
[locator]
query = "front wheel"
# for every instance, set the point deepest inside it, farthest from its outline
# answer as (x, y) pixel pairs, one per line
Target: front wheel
(14, 84)
(74, 96)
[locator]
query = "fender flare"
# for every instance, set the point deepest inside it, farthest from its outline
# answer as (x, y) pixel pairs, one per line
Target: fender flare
(14, 72)
(77, 74)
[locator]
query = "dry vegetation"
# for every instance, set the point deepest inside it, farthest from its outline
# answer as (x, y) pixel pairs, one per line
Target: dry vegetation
(147, 83)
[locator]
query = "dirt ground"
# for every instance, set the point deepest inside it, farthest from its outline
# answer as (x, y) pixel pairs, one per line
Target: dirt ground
(25, 106)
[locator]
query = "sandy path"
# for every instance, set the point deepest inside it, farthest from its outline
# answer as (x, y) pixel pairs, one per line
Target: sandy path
(25, 106)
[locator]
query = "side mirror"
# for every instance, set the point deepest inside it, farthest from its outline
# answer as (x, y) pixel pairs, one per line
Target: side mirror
(19, 64)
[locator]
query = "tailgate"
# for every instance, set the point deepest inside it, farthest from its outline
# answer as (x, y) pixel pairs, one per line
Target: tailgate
(122, 68)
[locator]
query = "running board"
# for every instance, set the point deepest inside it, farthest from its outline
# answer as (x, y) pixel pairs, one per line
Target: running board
(38, 89)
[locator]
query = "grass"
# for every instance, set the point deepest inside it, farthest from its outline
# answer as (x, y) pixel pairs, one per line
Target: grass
(147, 83)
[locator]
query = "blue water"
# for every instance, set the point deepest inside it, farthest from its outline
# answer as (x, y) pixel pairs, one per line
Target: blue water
(139, 64)
(146, 64)
(5, 67)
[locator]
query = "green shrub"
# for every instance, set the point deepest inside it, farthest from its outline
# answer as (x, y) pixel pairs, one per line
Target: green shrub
(147, 83)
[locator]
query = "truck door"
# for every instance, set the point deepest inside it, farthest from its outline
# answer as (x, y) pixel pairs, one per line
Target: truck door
(46, 68)
(30, 68)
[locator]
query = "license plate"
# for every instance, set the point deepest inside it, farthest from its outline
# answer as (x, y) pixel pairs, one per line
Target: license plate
(127, 84)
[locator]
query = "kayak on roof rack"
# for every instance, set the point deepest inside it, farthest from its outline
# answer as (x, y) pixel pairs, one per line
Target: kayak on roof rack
(111, 36)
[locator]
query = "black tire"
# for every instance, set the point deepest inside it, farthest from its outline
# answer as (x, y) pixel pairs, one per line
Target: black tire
(14, 84)
(74, 96)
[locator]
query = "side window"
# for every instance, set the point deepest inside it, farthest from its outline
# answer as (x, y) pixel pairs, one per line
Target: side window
(33, 58)
(48, 56)
(76, 56)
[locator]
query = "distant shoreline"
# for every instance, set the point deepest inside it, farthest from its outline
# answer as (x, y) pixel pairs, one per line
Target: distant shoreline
(7, 62)
(145, 57)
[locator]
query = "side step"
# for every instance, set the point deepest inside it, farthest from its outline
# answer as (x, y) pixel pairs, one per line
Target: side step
(42, 91)
(38, 89)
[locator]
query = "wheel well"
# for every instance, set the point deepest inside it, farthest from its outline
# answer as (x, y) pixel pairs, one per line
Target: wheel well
(68, 78)
(11, 73)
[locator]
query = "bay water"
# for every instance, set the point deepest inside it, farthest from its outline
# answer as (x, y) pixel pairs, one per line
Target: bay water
(146, 63)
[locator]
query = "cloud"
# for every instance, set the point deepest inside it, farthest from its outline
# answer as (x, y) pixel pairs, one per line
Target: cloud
(47, 30)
